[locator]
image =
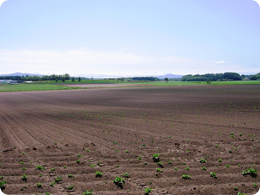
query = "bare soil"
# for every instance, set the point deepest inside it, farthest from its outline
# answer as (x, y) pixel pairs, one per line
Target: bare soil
(117, 131)
(105, 85)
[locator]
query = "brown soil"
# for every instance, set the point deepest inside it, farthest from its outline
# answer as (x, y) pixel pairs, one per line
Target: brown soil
(119, 130)
(105, 85)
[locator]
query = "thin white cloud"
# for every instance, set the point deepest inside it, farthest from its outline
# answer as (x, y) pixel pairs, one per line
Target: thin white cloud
(220, 62)
(87, 62)
(1, 2)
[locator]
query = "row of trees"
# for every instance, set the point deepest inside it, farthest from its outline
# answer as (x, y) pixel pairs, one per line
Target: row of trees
(38, 78)
(233, 76)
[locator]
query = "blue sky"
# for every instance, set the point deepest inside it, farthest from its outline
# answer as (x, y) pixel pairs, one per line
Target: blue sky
(129, 37)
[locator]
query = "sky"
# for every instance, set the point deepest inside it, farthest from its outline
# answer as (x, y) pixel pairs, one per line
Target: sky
(129, 37)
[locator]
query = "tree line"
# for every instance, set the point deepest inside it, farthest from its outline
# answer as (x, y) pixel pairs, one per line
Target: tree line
(41, 78)
(227, 76)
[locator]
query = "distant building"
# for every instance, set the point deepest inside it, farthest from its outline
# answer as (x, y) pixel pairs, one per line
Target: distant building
(13, 82)
(28, 81)
(5, 81)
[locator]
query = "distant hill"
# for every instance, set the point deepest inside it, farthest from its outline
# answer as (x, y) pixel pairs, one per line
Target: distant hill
(20, 74)
(169, 76)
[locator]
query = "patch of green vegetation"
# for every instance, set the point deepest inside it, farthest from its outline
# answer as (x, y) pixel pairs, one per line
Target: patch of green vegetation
(70, 187)
(99, 174)
(33, 87)
(252, 172)
(24, 177)
(213, 174)
(58, 179)
(147, 191)
(185, 176)
(52, 184)
(204, 168)
(156, 157)
(203, 160)
(125, 175)
(87, 192)
(2, 184)
(40, 167)
(119, 181)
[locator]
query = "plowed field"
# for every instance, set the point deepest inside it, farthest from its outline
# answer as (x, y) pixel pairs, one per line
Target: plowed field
(73, 134)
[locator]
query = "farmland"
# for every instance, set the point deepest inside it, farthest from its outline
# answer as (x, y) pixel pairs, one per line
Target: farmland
(200, 139)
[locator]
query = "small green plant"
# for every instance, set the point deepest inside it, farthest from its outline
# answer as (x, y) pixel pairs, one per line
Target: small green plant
(204, 168)
(53, 169)
(176, 168)
(79, 155)
(252, 172)
(119, 181)
(213, 174)
(98, 163)
(254, 185)
(24, 177)
(24, 168)
(219, 160)
(185, 176)
(39, 185)
(99, 174)
(55, 143)
(203, 160)
(235, 188)
(156, 157)
(216, 145)
(2, 177)
(70, 176)
(92, 165)
(2, 184)
(21, 162)
(239, 193)
(64, 167)
(78, 161)
(58, 179)
(87, 192)
(125, 175)
(227, 166)
(39, 167)
(145, 163)
(160, 163)
(23, 153)
(169, 162)
(159, 170)
(139, 158)
(147, 191)
(126, 151)
(52, 184)
(70, 187)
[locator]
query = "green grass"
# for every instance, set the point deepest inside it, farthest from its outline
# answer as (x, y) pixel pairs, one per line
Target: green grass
(50, 85)
(82, 81)
(32, 87)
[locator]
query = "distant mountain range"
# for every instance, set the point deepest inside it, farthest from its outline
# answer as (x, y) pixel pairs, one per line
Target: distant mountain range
(20, 74)
(169, 76)
(97, 76)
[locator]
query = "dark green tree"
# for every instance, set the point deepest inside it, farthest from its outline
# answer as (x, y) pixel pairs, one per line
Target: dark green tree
(79, 79)
(73, 79)
(166, 79)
